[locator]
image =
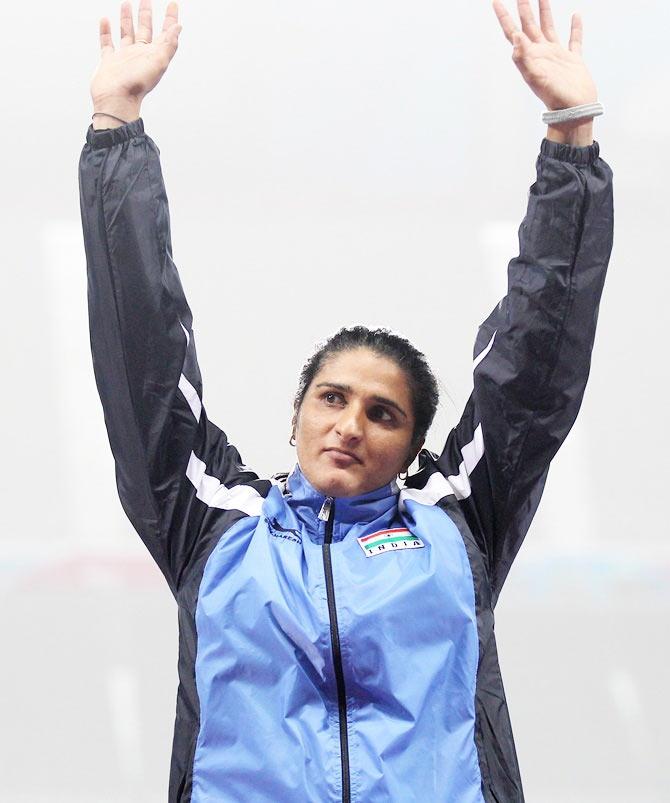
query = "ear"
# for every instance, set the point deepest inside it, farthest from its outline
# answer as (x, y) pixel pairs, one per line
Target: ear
(291, 440)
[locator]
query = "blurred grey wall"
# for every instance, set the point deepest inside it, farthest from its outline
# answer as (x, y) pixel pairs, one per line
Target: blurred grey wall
(326, 164)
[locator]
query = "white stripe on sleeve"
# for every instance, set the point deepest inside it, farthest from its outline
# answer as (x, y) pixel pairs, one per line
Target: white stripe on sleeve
(191, 396)
(209, 489)
(215, 494)
(458, 485)
(484, 351)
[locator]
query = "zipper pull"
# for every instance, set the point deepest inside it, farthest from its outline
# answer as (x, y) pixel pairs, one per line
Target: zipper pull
(324, 513)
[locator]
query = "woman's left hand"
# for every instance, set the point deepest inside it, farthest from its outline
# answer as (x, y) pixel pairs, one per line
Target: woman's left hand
(557, 75)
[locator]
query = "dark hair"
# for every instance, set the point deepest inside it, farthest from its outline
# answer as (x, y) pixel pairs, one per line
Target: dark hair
(422, 383)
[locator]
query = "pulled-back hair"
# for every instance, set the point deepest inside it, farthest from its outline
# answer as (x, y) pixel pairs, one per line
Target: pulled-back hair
(421, 381)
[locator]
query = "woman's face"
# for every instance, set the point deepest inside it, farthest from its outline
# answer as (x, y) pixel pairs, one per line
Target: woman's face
(355, 424)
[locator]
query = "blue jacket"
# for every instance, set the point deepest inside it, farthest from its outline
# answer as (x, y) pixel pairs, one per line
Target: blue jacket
(338, 649)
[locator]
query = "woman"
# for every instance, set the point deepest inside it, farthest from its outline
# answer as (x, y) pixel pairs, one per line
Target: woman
(336, 633)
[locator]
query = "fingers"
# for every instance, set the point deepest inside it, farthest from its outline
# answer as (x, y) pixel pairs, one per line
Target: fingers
(505, 19)
(528, 23)
(547, 21)
(535, 33)
(144, 27)
(171, 29)
(127, 29)
(576, 35)
(106, 43)
(169, 34)
(171, 16)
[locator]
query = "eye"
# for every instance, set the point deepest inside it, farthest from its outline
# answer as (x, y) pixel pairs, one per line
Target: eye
(379, 413)
(331, 398)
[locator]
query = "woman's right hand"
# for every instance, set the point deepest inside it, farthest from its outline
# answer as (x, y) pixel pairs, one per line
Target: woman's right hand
(125, 75)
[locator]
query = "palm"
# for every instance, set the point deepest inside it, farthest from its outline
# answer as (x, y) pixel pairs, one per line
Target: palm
(136, 66)
(557, 75)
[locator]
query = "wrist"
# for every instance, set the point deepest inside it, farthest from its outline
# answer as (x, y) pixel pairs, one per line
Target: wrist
(572, 133)
(124, 107)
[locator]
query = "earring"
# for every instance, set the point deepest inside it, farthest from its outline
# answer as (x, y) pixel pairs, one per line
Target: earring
(291, 440)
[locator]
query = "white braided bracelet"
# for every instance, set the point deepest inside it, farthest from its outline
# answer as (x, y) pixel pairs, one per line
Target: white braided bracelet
(575, 113)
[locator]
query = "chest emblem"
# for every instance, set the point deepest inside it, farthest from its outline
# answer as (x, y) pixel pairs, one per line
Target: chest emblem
(388, 541)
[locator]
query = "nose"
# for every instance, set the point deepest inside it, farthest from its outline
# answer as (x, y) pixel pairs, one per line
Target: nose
(350, 423)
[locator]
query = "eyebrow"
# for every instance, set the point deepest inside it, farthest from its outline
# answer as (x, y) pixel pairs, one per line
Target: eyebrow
(380, 399)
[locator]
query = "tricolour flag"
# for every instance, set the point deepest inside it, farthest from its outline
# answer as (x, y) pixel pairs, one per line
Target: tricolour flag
(388, 541)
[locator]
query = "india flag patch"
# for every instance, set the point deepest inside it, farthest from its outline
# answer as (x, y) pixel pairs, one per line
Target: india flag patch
(388, 541)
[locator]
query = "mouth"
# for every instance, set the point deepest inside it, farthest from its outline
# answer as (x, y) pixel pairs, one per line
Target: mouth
(343, 456)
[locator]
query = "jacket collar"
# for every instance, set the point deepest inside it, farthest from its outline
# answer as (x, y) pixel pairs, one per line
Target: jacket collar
(369, 507)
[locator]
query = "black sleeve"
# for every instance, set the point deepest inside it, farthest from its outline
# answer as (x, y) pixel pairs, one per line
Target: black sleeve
(533, 353)
(180, 482)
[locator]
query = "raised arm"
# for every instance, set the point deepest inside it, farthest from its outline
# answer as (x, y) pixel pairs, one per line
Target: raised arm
(180, 482)
(532, 354)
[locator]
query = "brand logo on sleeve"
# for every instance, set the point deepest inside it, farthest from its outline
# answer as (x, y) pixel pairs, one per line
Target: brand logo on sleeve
(278, 531)
(389, 541)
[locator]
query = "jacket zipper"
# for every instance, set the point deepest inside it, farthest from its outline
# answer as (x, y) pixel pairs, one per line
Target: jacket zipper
(328, 514)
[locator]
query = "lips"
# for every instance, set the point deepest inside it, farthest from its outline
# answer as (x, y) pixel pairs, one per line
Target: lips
(343, 454)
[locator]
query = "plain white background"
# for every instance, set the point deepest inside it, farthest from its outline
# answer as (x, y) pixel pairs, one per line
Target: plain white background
(327, 164)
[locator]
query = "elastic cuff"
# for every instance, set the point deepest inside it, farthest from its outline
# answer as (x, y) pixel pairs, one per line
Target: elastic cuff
(585, 155)
(106, 137)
